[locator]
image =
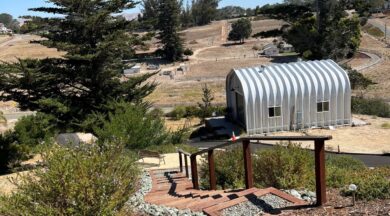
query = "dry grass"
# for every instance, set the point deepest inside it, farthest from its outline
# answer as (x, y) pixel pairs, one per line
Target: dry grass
(359, 59)
(266, 25)
(4, 38)
(371, 139)
(219, 69)
(186, 93)
(179, 124)
(24, 49)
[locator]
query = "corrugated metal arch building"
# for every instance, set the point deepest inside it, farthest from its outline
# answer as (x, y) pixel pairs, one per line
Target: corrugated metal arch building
(283, 97)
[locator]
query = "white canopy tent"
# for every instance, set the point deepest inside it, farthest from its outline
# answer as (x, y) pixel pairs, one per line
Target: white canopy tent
(284, 97)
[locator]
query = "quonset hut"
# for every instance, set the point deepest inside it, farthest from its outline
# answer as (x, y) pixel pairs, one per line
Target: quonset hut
(284, 97)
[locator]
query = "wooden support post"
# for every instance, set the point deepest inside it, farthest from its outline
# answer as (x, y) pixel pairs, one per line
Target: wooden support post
(319, 151)
(186, 165)
(181, 162)
(194, 172)
(213, 180)
(248, 164)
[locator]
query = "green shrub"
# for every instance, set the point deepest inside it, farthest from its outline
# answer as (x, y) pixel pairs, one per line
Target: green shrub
(386, 125)
(229, 169)
(178, 113)
(132, 127)
(171, 148)
(283, 167)
(372, 184)
(194, 111)
(179, 136)
(375, 107)
(35, 129)
(339, 168)
(85, 181)
(10, 152)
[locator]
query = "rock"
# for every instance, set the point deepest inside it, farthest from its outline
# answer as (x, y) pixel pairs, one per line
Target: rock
(295, 194)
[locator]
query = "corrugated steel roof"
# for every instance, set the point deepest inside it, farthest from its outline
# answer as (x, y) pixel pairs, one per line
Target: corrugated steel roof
(287, 83)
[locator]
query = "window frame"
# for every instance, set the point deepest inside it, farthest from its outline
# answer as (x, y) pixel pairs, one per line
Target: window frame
(274, 108)
(322, 105)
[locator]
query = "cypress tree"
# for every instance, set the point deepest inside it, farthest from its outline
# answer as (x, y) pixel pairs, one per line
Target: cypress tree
(89, 75)
(169, 23)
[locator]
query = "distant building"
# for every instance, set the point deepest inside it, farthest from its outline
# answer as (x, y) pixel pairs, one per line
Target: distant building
(284, 97)
(270, 50)
(286, 48)
(4, 30)
(133, 70)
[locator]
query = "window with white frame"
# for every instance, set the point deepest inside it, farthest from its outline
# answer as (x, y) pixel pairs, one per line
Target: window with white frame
(323, 106)
(274, 111)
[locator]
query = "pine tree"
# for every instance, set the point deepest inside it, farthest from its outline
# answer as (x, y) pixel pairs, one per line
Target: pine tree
(150, 9)
(89, 75)
(169, 24)
(204, 11)
(206, 106)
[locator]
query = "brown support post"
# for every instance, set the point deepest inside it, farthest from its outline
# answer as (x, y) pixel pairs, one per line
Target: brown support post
(186, 165)
(181, 162)
(319, 151)
(194, 172)
(248, 164)
(213, 180)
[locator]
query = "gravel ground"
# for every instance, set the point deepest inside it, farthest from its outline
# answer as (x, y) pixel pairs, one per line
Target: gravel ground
(138, 204)
(256, 206)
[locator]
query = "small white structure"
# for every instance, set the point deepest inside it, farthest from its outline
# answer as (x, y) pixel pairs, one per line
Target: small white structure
(4, 30)
(135, 69)
(286, 48)
(284, 97)
(270, 50)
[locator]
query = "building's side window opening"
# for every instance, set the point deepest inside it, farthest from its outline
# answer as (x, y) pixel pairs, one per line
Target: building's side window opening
(323, 106)
(275, 111)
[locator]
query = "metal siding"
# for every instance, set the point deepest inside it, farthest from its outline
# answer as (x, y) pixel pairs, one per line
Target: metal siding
(296, 87)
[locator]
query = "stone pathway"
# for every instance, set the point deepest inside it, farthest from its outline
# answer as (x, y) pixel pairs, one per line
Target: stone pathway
(173, 189)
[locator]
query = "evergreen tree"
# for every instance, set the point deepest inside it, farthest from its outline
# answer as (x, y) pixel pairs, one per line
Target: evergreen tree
(150, 9)
(169, 23)
(206, 105)
(89, 75)
(186, 16)
(241, 29)
(204, 11)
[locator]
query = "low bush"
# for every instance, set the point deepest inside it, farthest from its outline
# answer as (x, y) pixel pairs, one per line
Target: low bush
(10, 152)
(179, 136)
(229, 169)
(386, 125)
(375, 107)
(290, 166)
(34, 129)
(85, 181)
(180, 112)
(284, 167)
(130, 125)
(372, 183)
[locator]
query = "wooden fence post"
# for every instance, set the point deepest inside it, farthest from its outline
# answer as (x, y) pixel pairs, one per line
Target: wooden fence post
(181, 162)
(319, 151)
(194, 172)
(213, 180)
(248, 164)
(186, 165)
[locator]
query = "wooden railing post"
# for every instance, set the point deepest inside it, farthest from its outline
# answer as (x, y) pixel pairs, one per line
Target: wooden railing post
(319, 152)
(213, 180)
(194, 172)
(186, 165)
(181, 162)
(248, 163)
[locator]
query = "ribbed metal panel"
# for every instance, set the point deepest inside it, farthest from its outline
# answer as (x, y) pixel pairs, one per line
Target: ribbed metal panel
(296, 88)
